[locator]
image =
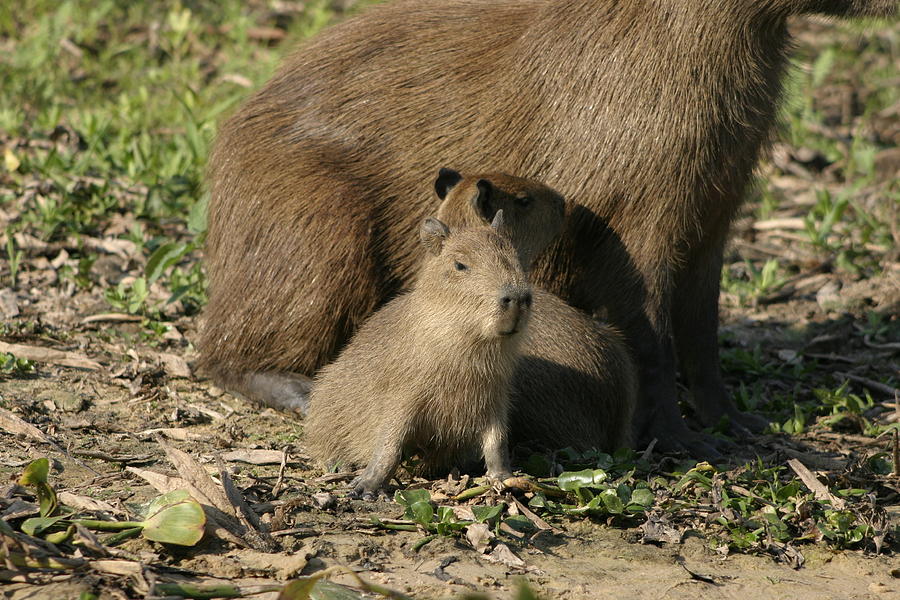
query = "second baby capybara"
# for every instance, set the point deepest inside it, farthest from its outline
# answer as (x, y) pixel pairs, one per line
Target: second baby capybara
(575, 384)
(430, 371)
(651, 114)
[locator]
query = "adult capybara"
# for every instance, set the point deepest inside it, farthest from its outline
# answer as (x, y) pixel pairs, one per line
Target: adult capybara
(649, 113)
(430, 371)
(575, 384)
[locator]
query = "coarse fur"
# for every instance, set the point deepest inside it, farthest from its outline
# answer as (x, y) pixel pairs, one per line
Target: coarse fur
(575, 384)
(430, 371)
(652, 113)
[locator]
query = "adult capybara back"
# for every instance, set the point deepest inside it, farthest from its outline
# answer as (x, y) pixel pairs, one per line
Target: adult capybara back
(575, 384)
(649, 113)
(430, 371)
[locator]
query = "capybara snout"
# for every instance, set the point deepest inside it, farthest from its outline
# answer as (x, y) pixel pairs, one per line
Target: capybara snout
(515, 302)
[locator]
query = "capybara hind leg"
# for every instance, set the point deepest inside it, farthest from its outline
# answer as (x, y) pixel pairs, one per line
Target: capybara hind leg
(279, 390)
(385, 460)
(657, 415)
(695, 321)
(282, 391)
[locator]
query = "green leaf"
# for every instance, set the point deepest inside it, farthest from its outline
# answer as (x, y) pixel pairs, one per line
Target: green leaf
(520, 523)
(196, 222)
(571, 481)
(61, 536)
(643, 497)
(326, 590)
(179, 519)
(408, 497)
(487, 513)
(36, 472)
(445, 514)
(160, 502)
(612, 502)
(36, 475)
(165, 256)
(421, 512)
(37, 525)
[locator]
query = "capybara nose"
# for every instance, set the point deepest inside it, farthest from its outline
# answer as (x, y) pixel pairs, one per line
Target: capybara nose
(514, 297)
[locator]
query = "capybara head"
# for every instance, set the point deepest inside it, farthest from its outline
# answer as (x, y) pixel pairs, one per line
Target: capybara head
(533, 213)
(472, 279)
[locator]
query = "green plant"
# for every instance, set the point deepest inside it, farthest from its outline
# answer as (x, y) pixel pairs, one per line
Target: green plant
(12, 365)
(14, 258)
(750, 282)
(130, 297)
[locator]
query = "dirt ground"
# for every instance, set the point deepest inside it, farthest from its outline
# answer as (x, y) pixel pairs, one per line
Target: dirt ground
(107, 423)
(129, 397)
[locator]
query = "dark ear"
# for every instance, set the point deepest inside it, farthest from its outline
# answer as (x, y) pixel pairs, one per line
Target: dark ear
(497, 223)
(482, 202)
(433, 234)
(446, 179)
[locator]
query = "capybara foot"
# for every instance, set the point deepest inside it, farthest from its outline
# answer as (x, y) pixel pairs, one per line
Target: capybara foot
(496, 481)
(698, 445)
(367, 489)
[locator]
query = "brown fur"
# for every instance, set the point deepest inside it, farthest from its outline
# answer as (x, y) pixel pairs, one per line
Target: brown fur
(575, 384)
(430, 371)
(649, 113)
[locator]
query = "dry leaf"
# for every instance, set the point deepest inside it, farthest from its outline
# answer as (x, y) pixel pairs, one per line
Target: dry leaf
(9, 304)
(117, 567)
(480, 536)
(198, 478)
(48, 355)
(86, 504)
(255, 457)
(14, 424)
(503, 555)
(815, 486)
(10, 161)
(174, 365)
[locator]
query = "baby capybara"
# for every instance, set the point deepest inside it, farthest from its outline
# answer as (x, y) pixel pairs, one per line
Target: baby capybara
(575, 384)
(651, 113)
(430, 371)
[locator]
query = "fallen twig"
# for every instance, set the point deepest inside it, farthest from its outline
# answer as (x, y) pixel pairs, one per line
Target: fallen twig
(869, 383)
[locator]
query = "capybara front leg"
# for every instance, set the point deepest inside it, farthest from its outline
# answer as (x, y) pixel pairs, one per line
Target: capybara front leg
(496, 451)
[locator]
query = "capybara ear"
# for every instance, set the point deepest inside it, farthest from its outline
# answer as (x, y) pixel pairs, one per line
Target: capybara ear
(498, 223)
(482, 201)
(446, 179)
(433, 234)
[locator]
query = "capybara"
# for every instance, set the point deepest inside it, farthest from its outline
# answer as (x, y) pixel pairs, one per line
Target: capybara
(575, 384)
(430, 371)
(649, 113)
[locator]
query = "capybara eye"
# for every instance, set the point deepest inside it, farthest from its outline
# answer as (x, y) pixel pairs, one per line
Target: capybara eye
(461, 267)
(524, 201)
